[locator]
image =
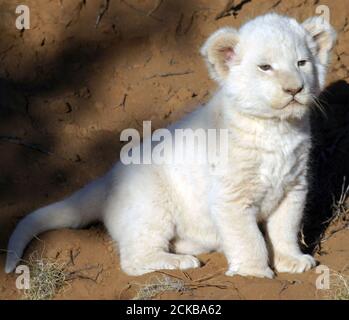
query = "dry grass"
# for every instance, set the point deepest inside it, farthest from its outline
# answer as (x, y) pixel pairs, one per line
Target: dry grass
(339, 219)
(339, 286)
(171, 283)
(47, 277)
(339, 280)
(340, 207)
(158, 285)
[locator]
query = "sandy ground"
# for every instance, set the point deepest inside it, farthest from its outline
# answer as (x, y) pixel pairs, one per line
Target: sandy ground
(68, 88)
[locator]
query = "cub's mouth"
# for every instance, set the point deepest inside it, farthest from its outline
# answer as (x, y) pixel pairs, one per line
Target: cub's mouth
(293, 103)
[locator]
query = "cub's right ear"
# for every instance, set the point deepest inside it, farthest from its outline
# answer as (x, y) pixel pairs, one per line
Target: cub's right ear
(219, 52)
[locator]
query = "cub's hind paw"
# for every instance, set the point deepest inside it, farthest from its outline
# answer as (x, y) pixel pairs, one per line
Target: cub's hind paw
(161, 261)
(251, 272)
(294, 264)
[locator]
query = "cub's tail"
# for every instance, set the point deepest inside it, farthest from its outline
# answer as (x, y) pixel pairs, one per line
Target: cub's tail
(83, 207)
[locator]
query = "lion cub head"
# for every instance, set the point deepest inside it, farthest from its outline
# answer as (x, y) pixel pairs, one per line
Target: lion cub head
(273, 67)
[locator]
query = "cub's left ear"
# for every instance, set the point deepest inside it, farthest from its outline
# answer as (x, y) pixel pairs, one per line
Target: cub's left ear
(219, 52)
(323, 35)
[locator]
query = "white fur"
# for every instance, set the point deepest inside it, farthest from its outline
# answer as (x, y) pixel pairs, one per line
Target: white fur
(145, 207)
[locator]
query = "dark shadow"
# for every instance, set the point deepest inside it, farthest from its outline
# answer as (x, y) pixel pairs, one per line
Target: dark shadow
(32, 172)
(329, 162)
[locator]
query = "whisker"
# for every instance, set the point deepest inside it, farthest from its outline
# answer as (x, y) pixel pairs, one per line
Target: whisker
(324, 102)
(319, 106)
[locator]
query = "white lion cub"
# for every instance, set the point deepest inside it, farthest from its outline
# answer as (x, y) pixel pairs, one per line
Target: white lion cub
(269, 73)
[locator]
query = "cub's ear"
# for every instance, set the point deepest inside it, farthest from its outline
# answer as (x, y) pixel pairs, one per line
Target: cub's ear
(219, 52)
(323, 35)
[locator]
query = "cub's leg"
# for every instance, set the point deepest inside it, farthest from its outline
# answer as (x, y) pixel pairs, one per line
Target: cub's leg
(185, 246)
(141, 221)
(136, 265)
(242, 242)
(139, 255)
(282, 231)
(143, 241)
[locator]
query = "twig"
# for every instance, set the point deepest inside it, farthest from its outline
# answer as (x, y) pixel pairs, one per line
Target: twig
(80, 276)
(102, 11)
(169, 275)
(35, 147)
(232, 9)
(283, 288)
(156, 7)
(170, 74)
(205, 285)
(208, 277)
(124, 289)
(275, 4)
(83, 269)
(18, 141)
(187, 275)
(180, 29)
(75, 274)
(123, 102)
(73, 256)
(76, 12)
(141, 11)
(332, 233)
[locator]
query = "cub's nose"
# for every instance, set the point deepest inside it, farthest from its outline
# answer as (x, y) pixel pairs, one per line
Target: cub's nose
(293, 91)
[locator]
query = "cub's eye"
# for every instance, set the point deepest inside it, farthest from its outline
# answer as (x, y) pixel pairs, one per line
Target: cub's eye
(265, 67)
(301, 63)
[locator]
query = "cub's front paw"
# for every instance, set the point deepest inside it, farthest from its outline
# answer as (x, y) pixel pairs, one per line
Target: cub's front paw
(294, 264)
(251, 271)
